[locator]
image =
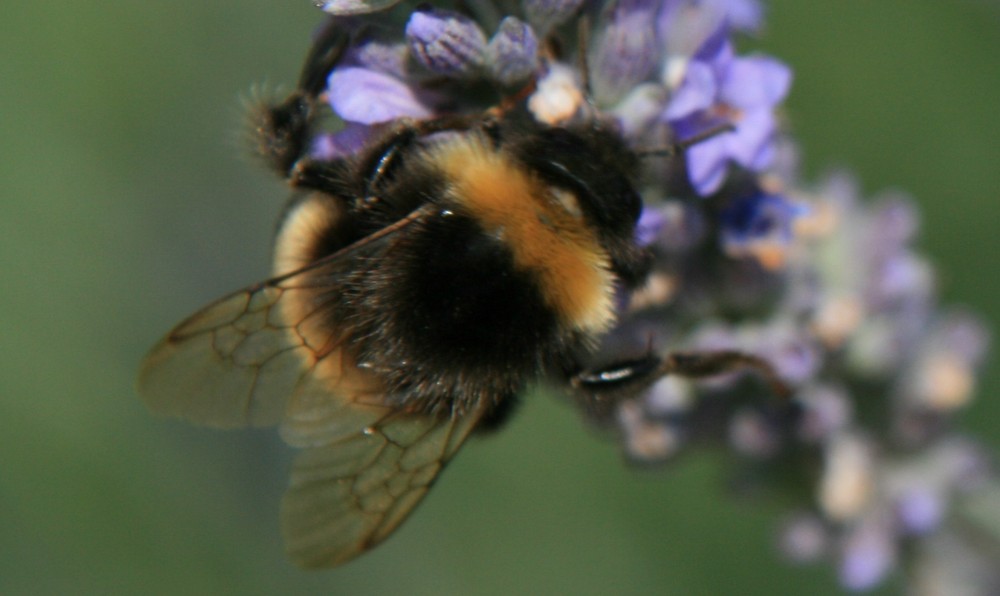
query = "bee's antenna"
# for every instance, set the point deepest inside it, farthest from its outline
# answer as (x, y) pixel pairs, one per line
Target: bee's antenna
(582, 47)
(680, 146)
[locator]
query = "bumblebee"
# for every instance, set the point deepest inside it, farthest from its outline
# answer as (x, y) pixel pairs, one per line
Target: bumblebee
(418, 288)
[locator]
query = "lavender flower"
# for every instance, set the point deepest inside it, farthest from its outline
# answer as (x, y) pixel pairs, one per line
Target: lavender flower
(759, 226)
(720, 88)
(625, 53)
(446, 42)
(821, 283)
(513, 52)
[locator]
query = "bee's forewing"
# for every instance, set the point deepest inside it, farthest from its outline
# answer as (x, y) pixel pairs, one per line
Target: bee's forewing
(240, 360)
(232, 364)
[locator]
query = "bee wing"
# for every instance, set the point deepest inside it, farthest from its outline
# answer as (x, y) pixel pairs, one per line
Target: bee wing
(348, 495)
(232, 364)
(257, 356)
(241, 361)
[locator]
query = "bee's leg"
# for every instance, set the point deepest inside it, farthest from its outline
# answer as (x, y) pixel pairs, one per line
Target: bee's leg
(602, 389)
(282, 131)
(700, 365)
(497, 416)
(376, 161)
(382, 158)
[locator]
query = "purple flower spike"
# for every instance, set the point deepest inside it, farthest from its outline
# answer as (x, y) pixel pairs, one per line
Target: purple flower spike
(369, 97)
(719, 88)
(626, 52)
(513, 52)
(446, 42)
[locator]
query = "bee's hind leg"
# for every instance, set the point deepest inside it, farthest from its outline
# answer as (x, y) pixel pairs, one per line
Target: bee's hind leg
(600, 390)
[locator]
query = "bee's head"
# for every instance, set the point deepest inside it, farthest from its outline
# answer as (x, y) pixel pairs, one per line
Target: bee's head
(595, 166)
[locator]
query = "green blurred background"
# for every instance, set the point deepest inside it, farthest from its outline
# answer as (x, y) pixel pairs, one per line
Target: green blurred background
(126, 204)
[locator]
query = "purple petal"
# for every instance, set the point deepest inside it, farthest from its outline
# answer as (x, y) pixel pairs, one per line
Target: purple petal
(649, 226)
(716, 50)
(897, 219)
(707, 165)
(869, 555)
(368, 97)
(696, 93)
(344, 143)
(803, 538)
(751, 144)
(825, 410)
(920, 509)
(755, 82)
(898, 276)
(742, 15)
(963, 335)
(384, 57)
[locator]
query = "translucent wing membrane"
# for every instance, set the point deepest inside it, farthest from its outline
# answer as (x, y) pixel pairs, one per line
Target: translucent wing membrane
(270, 355)
(235, 363)
(347, 496)
(248, 358)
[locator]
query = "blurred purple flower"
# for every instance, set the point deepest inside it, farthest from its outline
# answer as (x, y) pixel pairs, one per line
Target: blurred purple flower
(650, 225)
(761, 227)
(803, 538)
(920, 510)
(719, 88)
(869, 554)
(674, 226)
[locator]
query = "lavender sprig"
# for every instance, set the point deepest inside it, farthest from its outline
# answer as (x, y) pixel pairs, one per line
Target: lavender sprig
(824, 285)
